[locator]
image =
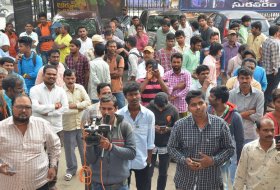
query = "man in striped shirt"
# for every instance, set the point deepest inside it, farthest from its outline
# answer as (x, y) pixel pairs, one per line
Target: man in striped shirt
(152, 83)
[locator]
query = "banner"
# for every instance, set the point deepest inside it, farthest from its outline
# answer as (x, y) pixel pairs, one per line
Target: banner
(217, 5)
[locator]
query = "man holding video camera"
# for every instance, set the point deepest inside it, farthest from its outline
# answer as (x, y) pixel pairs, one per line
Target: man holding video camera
(109, 147)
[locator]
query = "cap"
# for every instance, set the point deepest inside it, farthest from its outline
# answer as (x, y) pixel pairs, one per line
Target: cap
(161, 99)
(97, 38)
(149, 48)
(231, 32)
(56, 25)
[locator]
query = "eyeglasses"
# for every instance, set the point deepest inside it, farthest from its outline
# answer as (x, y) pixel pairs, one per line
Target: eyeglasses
(21, 107)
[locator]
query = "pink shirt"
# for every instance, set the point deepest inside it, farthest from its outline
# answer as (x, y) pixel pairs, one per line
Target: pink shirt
(211, 62)
(142, 42)
(59, 79)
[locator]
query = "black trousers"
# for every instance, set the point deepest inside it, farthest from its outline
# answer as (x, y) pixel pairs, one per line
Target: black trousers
(45, 187)
(272, 83)
(141, 178)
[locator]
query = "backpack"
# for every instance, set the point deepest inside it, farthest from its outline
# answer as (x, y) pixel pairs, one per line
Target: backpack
(139, 56)
(33, 59)
(118, 59)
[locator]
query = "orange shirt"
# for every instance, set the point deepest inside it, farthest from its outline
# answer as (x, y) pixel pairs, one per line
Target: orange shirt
(116, 84)
(13, 44)
(45, 31)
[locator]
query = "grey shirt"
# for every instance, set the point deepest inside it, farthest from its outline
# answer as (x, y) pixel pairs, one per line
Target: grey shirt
(253, 100)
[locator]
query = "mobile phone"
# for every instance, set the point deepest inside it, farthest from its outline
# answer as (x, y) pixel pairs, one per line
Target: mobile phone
(277, 140)
(155, 66)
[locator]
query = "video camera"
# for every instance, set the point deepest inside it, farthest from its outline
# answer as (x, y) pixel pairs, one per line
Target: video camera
(96, 130)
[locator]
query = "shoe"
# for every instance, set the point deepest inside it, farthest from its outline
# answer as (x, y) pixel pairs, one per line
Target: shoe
(68, 177)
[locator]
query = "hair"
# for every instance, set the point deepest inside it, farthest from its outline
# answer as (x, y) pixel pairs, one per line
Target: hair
(8, 24)
(108, 33)
(166, 17)
(109, 98)
(3, 60)
(245, 18)
(52, 51)
(275, 94)
(242, 48)
(80, 27)
(20, 96)
(234, 25)
(131, 87)
(69, 72)
(3, 71)
(26, 41)
(194, 94)
(195, 39)
(170, 36)
(114, 19)
(262, 120)
(176, 55)
(182, 16)
(135, 17)
(10, 82)
(257, 25)
(99, 49)
(220, 92)
(273, 30)
(131, 40)
(165, 23)
(248, 52)
(101, 86)
(244, 71)
(201, 68)
(215, 48)
(31, 23)
(48, 67)
(150, 62)
(251, 60)
(76, 43)
(172, 21)
(66, 27)
(201, 17)
(42, 14)
(139, 25)
(179, 33)
(111, 42)
(214, 34)
(195, 24)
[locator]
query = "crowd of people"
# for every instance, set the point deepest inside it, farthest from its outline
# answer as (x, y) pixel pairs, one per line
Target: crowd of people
(210, 105)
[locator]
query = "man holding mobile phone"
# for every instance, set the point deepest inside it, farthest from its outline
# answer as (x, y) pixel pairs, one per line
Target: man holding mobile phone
(259, 164)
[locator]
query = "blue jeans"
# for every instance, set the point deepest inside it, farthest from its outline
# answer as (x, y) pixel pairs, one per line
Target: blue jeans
(120, 98)
(45, 57)
(226, 175)
(98, 186)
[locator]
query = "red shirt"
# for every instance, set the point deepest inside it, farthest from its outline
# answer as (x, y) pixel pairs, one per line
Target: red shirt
(13, 44)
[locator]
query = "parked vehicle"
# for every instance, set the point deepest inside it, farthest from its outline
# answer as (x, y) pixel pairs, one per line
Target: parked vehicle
(223, 19)
(276, 21)
(89, 19)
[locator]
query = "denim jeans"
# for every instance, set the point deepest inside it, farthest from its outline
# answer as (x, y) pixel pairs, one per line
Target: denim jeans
(226, 175)
(45, 57)
(98, 186)
(120, 98)
(164, 160)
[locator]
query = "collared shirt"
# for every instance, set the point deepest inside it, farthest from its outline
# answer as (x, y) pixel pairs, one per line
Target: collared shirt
(255, 44)
(187, 140)
(141, 70)
(26, 154)
(85, 45)
(173, 80)
(81, 67)
(233, 64)
(197, 86)
(160, 39)
(33, 36)
(99, 73)
(230, 52)
(213, 65)
(188, 32)
(270, 55)
(182, 49)
(253, 100)
(144, 131)
(119, 34)
(142, 41)
(233, 83)
(71, 119)
(243, 34)
(43, 104)
(59, 79)
(258, 169)
(191, 60)
(63, 40)
(164, 58)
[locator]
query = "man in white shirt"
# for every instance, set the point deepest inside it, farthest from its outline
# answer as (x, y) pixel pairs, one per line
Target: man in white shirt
(33, 35)
(148, 54)
(24, 164)
(259, 164)
(86, 42)
(99, 71)
(133, 57)
(132, 29)
(4, 43)
(185, 26)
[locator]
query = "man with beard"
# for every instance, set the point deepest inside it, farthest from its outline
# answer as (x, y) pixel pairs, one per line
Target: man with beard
(86, 42)
(259, 163)
(249, 103)
(179, 83)
(23, 138)
(49, 101)
(200, 144)
(53, 56)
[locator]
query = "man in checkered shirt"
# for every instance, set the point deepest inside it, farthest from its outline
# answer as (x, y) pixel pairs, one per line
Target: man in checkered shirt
(200, 144)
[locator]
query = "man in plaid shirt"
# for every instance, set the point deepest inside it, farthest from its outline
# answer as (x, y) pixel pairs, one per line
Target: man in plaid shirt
(179, 83)
(200, 144)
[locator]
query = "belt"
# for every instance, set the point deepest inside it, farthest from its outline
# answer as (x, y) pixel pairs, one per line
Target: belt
(115, 186)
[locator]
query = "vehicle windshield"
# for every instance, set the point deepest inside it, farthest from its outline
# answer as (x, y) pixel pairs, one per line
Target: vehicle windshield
(154, 22)
(265, 26)
(90, 25)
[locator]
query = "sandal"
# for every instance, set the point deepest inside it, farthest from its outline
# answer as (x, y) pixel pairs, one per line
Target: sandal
(68, 177)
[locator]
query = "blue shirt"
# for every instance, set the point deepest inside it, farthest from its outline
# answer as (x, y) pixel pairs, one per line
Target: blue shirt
(144, 130)
(259, 75)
